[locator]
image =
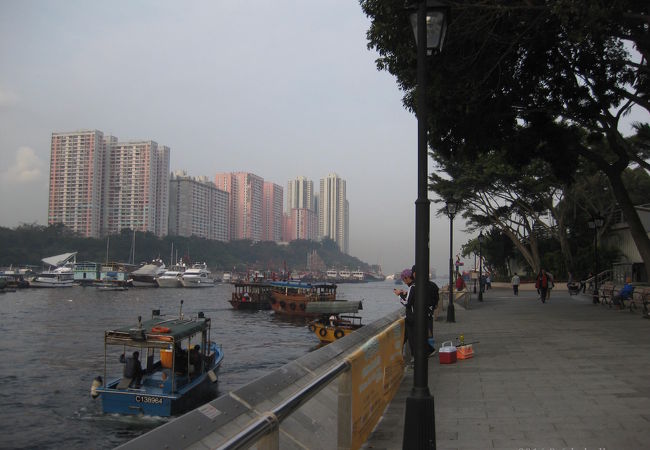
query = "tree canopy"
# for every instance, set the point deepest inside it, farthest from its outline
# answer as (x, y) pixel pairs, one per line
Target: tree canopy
(531, 79)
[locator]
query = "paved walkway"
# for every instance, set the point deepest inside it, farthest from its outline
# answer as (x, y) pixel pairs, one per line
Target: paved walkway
(561, 375)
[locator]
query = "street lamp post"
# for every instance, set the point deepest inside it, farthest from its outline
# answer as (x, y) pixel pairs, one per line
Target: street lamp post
(451, 208)
(429, 26)
(595, 223)
(480, 267)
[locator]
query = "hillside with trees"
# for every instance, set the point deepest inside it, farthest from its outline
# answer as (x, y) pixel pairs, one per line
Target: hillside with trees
(29, 243)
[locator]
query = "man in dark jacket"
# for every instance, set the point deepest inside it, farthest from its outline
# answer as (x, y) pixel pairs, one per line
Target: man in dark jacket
(133, 369)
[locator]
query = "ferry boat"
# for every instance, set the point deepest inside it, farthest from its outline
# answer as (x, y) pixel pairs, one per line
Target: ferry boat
(332, 323)
(358, 275)
(61, 276)
(344, 274)
(332, 274)
(252, 296)
(197, 276)
(291, 298)
(177, 375)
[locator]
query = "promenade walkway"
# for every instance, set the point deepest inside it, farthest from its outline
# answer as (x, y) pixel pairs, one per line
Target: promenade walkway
(567, 374)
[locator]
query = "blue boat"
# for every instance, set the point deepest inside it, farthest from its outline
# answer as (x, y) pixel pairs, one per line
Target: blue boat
(179, 366)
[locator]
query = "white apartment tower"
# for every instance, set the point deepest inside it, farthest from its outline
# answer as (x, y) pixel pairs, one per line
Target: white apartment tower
(300, 194)
(333, 211)
(198, 208)
(76, 173)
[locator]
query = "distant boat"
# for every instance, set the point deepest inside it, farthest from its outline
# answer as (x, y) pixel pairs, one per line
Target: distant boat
(171, 278)
(291, 298)
(197, 276)
(146, 275)
(252, 296)
(60, 273)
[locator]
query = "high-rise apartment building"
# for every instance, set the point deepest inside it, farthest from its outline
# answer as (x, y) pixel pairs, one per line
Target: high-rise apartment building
(138, 187)
(99, 185)
(272, 212)
(333, 211)
(246, 198)
(198, 208)
(301, 218)
(76, 174)
(300, 194)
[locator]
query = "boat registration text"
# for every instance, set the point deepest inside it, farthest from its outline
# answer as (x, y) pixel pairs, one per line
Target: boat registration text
(145, 399)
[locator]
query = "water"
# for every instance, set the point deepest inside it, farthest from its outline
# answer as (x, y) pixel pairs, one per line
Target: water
(51, 348)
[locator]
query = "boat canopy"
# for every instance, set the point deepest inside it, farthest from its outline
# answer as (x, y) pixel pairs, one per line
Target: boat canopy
(301, 285)
(59, 260)
(335, 307)
(157, 332)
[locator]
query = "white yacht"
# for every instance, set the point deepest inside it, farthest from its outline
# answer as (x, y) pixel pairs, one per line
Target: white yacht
(60, 274)
(197, 276)
(331, 273)
(344, 274)
(171, 278)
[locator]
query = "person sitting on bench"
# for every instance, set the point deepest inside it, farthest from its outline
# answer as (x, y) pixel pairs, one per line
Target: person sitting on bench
(625, 294)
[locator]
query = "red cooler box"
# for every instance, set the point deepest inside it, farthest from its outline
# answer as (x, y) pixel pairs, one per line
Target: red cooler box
(447, 353)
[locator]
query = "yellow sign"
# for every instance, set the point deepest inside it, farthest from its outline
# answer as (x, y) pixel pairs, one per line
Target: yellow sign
(376, 372)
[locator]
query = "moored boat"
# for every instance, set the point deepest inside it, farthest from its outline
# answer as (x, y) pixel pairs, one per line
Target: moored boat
(252, 296)
(181, 366)
(291, 298)
(197, 276)
(171, 278)
(146, 275)
(60, 274)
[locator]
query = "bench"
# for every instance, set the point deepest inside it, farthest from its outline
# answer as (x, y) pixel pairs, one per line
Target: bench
(641, 296)
(606, 293)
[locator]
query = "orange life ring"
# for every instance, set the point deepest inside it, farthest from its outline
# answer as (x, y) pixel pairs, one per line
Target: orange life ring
(159, 329)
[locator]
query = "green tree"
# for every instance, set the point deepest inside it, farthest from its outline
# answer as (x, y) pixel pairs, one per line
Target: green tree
(531, 74)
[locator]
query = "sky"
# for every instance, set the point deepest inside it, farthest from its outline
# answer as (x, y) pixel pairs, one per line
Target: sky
(281, 89)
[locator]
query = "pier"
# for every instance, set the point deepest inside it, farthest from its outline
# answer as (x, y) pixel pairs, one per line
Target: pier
(564, 374)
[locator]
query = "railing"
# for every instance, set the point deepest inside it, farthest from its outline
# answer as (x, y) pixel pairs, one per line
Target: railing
(268, 425)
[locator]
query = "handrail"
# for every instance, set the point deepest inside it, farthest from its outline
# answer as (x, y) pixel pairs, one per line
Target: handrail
(272, 419)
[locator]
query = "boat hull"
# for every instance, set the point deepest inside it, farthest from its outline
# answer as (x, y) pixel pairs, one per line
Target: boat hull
(327, 334)
(48, 284)
(151, 401)
(197, 282)
(169, 282)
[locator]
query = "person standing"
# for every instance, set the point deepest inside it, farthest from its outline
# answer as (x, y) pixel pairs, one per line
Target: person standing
(515, 284)
(551, 284)
(541, 283)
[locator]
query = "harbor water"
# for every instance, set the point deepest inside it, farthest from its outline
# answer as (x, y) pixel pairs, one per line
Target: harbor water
(51, 348)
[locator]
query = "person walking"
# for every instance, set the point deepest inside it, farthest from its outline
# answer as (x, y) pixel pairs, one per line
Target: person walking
(551, 285)
(515, 284)
(541, 283)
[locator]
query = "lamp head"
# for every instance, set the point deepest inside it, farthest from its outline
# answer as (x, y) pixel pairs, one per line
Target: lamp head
(437, 13)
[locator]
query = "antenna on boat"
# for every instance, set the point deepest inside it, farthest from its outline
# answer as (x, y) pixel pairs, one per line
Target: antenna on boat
(139, 321)
(180, 312)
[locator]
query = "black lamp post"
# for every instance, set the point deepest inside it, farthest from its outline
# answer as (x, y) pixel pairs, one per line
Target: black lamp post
(480, 267)
(429, 23)
(451, 208)
(595, 223)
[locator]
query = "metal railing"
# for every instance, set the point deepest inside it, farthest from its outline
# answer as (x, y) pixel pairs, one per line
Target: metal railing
(270, 421)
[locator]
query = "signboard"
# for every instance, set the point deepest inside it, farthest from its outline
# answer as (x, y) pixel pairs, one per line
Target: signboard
(376, 371)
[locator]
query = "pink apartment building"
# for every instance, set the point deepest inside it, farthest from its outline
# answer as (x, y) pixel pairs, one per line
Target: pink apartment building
(99, 186)
(246, 199)
(76, 173)
(272, 212)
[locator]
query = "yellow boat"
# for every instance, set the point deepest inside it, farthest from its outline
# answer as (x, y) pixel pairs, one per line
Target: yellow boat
(328, 330)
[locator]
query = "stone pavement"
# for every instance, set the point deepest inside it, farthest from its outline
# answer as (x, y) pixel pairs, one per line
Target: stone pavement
(567, 374)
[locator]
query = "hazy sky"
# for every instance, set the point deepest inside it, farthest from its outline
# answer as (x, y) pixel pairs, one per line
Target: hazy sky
(279, 88)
